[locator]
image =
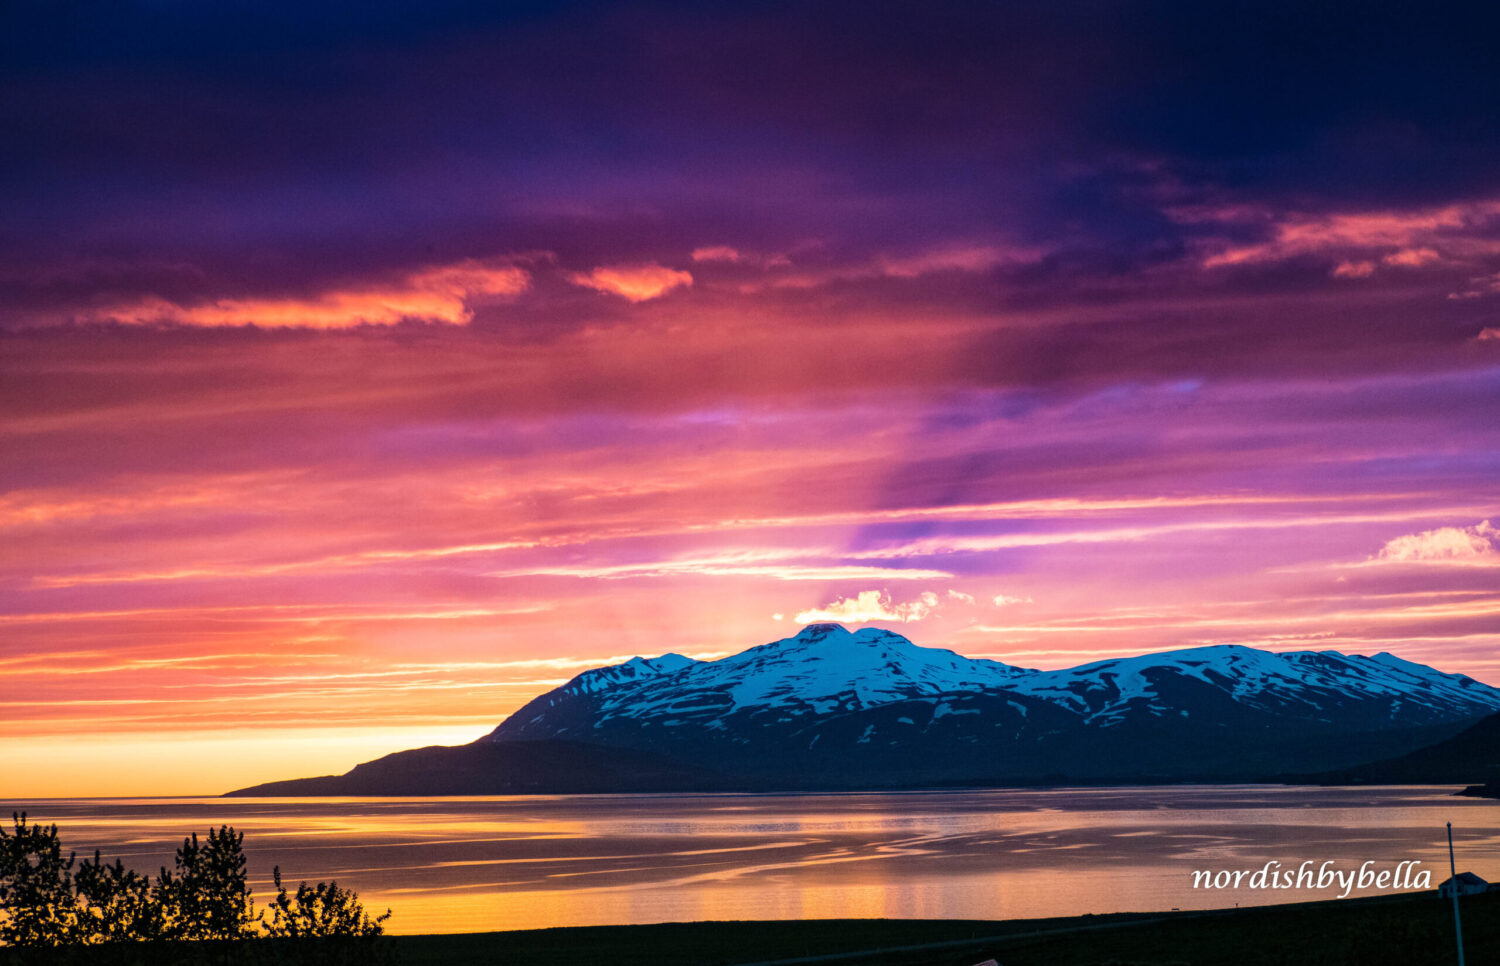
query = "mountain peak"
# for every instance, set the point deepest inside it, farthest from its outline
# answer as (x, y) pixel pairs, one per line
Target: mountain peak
(819, 631)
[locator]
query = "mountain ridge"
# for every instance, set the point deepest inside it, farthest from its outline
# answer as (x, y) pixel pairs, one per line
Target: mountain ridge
(832, 708)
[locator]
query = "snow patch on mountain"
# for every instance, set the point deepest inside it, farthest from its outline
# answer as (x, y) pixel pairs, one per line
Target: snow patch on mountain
(825, 670)
(633, 670)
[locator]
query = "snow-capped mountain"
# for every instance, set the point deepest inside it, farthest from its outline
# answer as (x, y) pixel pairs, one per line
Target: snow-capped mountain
(833, 706)
(1310, 684)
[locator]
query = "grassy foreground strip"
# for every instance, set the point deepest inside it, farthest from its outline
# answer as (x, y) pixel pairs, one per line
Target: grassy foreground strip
(1410, 930)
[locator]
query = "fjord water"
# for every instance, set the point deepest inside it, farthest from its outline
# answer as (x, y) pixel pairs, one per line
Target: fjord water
(479, 864)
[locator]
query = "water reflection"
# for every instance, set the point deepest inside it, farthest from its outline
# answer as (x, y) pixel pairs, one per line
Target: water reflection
(461, 864)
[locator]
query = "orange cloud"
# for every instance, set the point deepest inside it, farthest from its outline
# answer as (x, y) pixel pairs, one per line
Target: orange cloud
(634, 282)
(442, 294)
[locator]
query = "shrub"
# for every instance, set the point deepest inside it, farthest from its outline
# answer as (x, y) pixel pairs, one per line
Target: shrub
(321, 911)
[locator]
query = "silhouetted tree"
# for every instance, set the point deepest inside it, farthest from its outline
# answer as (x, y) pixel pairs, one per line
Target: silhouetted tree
(121, 915)
(37, 905)
(207, 896)
(325, 925)
(115, 904)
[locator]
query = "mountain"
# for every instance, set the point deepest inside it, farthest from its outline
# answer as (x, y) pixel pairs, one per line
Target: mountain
(827, 708)
(508, 768)
(1472, 755)
(835, 708)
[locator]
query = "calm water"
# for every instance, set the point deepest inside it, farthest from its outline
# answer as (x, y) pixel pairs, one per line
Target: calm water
(470, 864)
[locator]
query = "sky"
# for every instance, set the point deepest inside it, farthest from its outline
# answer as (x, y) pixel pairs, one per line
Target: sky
(368, 369)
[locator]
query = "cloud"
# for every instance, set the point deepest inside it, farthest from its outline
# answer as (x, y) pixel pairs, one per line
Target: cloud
(1489, 335)
(1478, 287)
(716, 253)
(1412, 257)
(950, 259)
(871, 605)
(970, 258)
(443, 293)
(960, 595)
(1354, 270)
(1445, 544)
(1005, 600)
(1454, 233)
(634, 282)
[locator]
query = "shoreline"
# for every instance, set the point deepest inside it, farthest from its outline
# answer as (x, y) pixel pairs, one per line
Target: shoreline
(1412, 925)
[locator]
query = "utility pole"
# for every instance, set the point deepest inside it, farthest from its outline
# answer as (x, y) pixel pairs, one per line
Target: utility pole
(1458, 927)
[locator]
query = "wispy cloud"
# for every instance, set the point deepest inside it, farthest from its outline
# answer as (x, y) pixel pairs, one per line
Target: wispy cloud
(443, 293)
(1410, 239)
(697, 568)
(716, 253)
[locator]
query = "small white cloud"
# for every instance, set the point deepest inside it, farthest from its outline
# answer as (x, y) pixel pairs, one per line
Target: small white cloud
(1353, 270)
(778, 617)
(1005, 600)
(871, 605)
(1458, 544)
(960, 595)
(716, 253)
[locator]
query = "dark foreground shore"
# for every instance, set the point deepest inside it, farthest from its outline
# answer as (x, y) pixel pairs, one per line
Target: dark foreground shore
(1406, 929)
(1410, 930)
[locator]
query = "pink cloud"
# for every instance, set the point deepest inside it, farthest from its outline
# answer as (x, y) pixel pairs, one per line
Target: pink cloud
(975, 258)
(637, 283)
(968, 259)
(1354, 270)
(1416, 238)
(1412, 258)
(716, 253)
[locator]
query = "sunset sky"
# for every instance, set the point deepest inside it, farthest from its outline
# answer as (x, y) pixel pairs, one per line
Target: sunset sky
(367, 369)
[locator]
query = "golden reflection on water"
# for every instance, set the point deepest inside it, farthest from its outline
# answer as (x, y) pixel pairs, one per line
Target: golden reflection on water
(472, 864)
